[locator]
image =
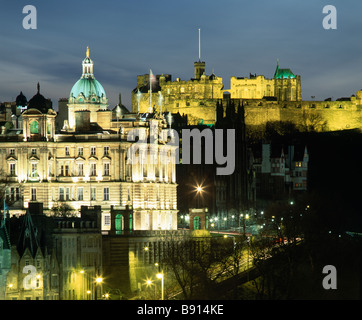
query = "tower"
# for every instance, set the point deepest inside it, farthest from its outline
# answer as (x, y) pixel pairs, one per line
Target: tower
(88, 95)
(199, 65)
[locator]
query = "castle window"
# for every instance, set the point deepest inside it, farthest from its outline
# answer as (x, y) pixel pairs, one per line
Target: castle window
(67, 151)
(34, 127)
(80, 152)
(93, 151)
(12, 152)
(33, 151)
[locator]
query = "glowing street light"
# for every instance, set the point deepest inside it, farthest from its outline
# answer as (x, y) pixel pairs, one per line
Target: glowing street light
(160, 276)
(99, 281)
(199, 190)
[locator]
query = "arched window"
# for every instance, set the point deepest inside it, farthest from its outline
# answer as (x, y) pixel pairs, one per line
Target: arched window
(34, 127)
(118, 223)
(197, 223)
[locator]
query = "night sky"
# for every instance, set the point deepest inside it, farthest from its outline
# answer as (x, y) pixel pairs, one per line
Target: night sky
(128, 38)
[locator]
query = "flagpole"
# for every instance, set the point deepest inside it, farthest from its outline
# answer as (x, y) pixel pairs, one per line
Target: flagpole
(151, 91)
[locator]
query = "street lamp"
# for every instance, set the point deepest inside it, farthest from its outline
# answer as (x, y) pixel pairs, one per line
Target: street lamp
(199, 190)
(99, 281)
(160, 276)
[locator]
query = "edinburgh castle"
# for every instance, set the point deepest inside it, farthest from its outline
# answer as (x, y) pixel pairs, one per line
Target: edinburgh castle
(278, 99)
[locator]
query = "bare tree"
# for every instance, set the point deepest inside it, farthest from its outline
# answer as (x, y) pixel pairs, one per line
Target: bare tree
(62, 209)
(313, 121)
(200, 264)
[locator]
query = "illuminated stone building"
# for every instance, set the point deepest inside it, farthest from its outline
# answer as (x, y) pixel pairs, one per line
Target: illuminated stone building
(86, 163)
(34, 272)
(78, 246)
(192, 97)
(275, 99)
(284, 86)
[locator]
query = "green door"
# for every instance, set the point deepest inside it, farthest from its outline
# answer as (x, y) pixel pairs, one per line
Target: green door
(197, 223)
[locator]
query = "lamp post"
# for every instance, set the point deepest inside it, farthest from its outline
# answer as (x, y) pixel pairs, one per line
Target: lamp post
(99, 281)
(198, 191)
(160, 276)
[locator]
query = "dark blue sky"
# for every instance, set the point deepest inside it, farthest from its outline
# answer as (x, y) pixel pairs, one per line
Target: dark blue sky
(128, 38)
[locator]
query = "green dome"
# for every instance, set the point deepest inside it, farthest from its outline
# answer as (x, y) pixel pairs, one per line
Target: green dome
(87, 86)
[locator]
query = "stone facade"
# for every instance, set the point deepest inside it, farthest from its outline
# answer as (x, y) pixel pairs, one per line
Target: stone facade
(87, 163)
(264, 100)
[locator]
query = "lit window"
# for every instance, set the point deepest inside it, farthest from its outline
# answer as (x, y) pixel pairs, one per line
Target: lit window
(80, 169)
(106, 194)
(34, 170)
(14, 194)
(34, 127)
(33, 194)
(61, 194)
(93, 169)
(80, 194)
(106, 169)
(66, 170)
(12, 169)
(93, 193)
